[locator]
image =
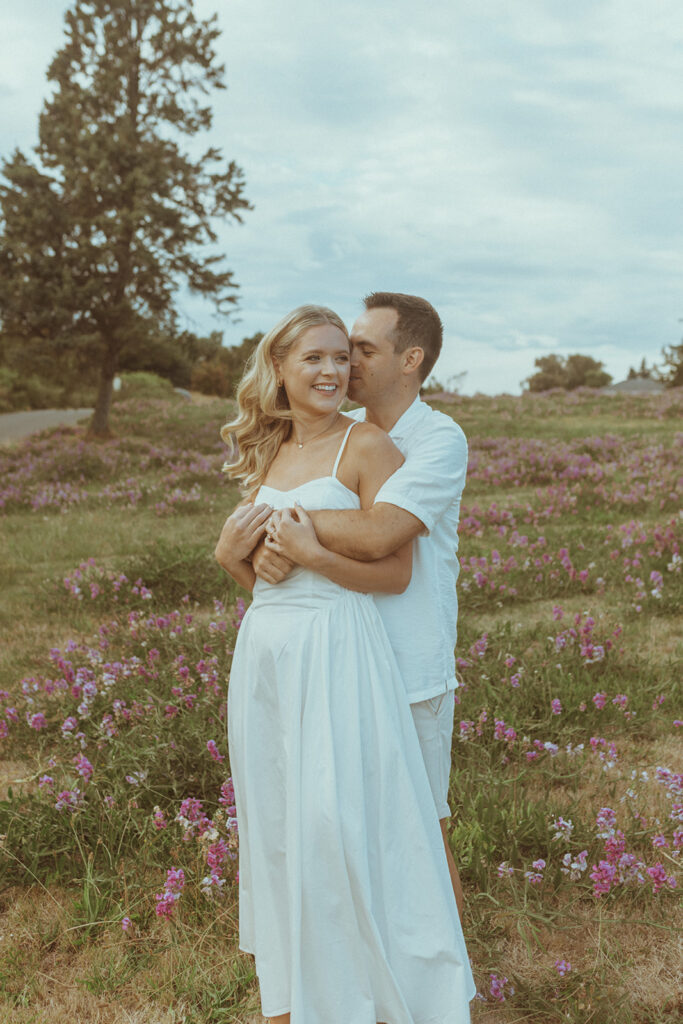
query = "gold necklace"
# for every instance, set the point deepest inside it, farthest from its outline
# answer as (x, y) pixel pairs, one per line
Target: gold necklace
(300, 444)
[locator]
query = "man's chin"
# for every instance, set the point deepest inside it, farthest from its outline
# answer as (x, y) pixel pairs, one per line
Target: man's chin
(355, 393)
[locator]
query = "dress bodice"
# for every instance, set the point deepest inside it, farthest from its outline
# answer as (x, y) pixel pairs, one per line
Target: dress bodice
(321, 492)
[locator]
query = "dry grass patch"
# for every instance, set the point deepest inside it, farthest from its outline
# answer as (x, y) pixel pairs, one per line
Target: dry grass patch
(13, 774)
(660, 639)
(50, 974)
(633, 959)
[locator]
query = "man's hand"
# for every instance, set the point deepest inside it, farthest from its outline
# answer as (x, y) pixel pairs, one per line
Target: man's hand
(269, 565)
(291, 534)
(241, 531)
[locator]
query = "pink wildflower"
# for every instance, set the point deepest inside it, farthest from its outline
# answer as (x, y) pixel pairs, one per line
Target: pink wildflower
(603, 876)
(83, 766)
(466, 730)
(562, 967)
(227, 797)
(562, 829)
(497, 985)
(69, 799)
(159, 818)
(173, 886)
(239, 613)
(605, 822)
(214, 751)
(535, 877)
(574, 867)
(615, 846)
(660, 878)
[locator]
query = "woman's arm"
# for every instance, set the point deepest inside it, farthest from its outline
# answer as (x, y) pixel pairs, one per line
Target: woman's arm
(241, 531)
(294, 538)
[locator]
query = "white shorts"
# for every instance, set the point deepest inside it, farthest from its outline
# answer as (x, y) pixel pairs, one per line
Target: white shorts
(434, 724)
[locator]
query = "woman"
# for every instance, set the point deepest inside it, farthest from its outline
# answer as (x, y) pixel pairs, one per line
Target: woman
(345, 897)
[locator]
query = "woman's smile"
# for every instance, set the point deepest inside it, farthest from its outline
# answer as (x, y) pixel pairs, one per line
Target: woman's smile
(318, 361)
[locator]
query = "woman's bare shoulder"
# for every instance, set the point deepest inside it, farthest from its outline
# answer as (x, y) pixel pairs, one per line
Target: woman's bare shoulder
(364, 434)
(369, 441)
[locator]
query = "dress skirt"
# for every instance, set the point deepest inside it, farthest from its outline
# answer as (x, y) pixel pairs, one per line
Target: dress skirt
(345, 897)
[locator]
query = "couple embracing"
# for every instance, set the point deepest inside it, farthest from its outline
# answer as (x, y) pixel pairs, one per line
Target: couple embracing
(341, 698)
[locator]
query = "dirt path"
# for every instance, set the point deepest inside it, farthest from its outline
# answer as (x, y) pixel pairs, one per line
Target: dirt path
(16, 425)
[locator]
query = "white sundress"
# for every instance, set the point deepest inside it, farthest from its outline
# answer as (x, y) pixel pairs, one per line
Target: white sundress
(345, 898)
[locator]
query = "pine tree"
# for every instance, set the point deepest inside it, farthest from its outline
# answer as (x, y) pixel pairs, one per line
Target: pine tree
(97, 237)
(671, 373)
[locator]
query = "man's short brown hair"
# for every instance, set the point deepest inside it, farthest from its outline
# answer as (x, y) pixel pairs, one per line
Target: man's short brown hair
(418, 325)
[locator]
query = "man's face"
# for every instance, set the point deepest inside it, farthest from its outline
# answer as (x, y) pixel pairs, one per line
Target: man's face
(375, 367)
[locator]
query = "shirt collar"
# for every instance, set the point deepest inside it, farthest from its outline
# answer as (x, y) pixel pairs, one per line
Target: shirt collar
(404, 423)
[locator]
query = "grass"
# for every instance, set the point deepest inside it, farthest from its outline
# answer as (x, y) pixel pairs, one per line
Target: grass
(149, 505)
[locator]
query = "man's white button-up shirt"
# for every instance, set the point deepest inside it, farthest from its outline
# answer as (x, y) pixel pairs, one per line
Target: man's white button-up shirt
(422, 622)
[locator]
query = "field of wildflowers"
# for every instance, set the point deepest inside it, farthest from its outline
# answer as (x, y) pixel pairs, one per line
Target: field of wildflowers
(118, 838)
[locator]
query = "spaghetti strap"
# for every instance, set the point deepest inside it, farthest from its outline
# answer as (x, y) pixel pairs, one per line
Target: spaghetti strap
(342, 446)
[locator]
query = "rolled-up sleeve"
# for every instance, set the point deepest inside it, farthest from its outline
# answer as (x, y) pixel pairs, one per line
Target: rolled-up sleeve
(429, 481)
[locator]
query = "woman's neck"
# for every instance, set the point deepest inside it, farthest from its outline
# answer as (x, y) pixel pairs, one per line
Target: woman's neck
(306, 427)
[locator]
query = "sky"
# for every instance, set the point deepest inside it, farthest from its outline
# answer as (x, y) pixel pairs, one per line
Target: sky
(517, 164)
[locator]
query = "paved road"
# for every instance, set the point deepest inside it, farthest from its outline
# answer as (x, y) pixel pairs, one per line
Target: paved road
(16, 425)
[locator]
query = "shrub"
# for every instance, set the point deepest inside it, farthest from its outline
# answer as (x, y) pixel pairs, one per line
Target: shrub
(18, 392)
(144, 385)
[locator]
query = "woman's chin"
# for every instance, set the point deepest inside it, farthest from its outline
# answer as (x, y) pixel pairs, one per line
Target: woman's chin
(326, 402)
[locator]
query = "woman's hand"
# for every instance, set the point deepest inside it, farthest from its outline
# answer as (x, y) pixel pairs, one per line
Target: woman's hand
(291, 533)
(268, 565)
(241, 533)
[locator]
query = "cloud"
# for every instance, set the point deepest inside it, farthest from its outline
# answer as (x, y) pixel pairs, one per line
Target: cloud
(519, 165)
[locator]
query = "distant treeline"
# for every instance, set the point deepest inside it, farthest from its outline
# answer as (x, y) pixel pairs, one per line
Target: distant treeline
(576, 371)
(31, 378)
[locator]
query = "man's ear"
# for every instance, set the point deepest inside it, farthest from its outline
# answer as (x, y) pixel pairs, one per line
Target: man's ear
(412, 359)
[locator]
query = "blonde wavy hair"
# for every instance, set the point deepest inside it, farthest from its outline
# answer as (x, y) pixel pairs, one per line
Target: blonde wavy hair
(264, 418)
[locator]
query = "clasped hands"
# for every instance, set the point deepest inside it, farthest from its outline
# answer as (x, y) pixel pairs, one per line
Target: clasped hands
(274, 540)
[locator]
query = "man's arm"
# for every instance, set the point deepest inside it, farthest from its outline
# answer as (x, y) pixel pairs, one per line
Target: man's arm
(367, 534)
(411, 501)
(294, 537)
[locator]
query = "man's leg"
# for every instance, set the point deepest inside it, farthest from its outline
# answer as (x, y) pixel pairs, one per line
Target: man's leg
(434, 724)
(455, 877)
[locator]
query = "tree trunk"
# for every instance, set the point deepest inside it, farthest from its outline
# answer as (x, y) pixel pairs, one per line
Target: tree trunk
(99, 424)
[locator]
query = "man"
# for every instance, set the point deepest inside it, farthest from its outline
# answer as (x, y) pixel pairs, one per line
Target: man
(395, 344)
